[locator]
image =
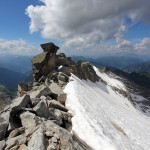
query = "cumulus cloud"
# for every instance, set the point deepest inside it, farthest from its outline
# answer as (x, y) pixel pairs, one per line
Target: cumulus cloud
(16, 47)
(86, 24)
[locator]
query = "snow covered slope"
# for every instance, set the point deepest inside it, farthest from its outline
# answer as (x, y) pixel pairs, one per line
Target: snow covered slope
(103, 118)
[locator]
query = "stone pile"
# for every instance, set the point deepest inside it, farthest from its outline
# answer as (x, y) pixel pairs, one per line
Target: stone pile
(38, 119)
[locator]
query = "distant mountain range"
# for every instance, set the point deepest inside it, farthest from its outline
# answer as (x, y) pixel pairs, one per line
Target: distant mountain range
(138, 68)
(14, 69)
(21, 64)
(119, 62)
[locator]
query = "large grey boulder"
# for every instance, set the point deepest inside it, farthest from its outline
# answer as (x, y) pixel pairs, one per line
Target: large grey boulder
(29, 119)
(19, 103)
(43, 111)
(37, 141)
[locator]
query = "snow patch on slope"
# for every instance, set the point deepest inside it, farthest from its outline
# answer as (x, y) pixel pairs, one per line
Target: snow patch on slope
(104, 119)
(111, 81)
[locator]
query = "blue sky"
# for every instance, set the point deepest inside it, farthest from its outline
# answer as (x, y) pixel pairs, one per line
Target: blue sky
(77, 28)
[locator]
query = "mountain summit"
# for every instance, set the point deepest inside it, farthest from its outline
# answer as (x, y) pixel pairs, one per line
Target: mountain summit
(75, 106)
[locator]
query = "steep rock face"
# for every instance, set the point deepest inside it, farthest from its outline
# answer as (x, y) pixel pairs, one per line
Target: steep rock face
(59, 66)
(45, 61)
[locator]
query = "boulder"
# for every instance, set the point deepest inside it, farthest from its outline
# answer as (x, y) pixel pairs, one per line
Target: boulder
(37, 141)
(11, 142)
(49, 47)
(43, 111)
(29, 119)
(19, 103)
(56, 105)
(44, 91)
(85, 71)
(56, 88)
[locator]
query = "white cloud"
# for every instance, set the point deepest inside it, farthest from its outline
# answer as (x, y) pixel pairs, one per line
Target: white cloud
(86, 24)
(143, 45)
(16, 47)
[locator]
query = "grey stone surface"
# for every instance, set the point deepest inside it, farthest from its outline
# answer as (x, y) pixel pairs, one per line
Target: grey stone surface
(2, 145)
(43, 111)
(21, 139)
(37, 141)
(29, 119)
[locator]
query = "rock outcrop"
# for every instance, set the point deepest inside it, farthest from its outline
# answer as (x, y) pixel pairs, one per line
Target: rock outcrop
(38, 118)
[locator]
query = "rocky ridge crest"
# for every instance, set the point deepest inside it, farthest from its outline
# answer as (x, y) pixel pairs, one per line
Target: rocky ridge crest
(38, 119)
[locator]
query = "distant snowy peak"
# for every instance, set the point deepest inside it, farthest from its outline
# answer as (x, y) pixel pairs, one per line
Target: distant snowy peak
(103, 118)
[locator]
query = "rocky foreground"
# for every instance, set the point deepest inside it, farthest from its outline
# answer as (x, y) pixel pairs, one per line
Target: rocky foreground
(38, 119)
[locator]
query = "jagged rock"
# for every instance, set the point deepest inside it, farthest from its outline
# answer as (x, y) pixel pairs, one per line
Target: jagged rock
(43, 111)
(20, 103)
(29, 119)
(85, 71)
(2, 145)
(43, 63)
(49, 47)
(56, 88)
(16, 132)
(44, 91)
(37, 141)
(57, 105)
(62, 98)
(11, 142)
